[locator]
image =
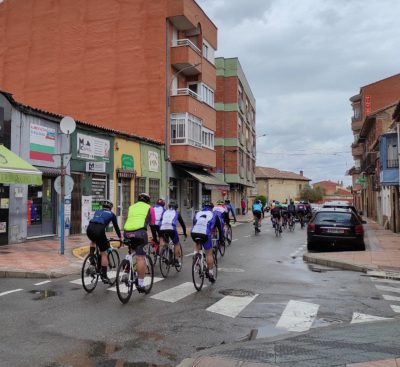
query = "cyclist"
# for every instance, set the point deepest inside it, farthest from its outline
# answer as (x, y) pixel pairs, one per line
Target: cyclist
(159, 210)
(285, 215)
(140, 215)
(203, 223)
(257, 210)
(276, 215)
(291, 210)
(230, 209)
(168, 230)
(96, 232)
(222, 215)
(301, 213)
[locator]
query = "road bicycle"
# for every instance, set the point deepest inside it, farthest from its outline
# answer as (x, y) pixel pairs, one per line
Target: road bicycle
(152, 249)
(277, 227)
(91, 268)
(284, 222)
(218, 246)
(228, 233)
(291, 223)
(127, 275)
(168, 258)
(256, 225)
(200, 267)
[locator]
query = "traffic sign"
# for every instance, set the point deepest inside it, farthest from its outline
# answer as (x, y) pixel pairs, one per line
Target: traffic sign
(68, 184)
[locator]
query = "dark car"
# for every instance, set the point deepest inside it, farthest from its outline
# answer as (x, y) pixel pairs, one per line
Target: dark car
(343, 205)
(335, 228)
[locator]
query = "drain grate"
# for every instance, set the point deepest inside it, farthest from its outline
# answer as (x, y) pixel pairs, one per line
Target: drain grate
(236, 292)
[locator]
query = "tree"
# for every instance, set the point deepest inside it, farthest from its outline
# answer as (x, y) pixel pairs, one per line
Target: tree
(311, 195)
(262, 198)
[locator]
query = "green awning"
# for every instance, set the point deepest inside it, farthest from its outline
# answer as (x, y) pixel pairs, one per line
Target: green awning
(14, 170)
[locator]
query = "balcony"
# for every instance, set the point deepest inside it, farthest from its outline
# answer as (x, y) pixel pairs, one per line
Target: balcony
(357, 150)
(190, 154)
(356, 125)
(368, 165)
(186, 92)
(241, 172)
(184, 53)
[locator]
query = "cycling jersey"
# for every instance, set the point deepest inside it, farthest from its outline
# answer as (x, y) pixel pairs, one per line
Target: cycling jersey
(257, 208)
(140, 215)
(169, 220)
(230, 209)
(158, 211)
(203, 223)
(96, 230)
(104, 217)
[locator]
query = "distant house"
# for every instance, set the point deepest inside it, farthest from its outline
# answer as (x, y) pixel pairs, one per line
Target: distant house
(279, 185)
(334, 191)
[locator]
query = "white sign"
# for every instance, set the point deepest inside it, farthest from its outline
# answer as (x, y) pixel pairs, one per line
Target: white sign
(68, 184)
(95, 166)
(153, 161)
(86, 212)
(92, 148)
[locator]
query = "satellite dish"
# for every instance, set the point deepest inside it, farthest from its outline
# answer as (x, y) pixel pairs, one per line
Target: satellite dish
(67, 125)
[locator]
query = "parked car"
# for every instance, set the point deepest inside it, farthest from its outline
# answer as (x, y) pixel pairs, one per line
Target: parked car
(344, 205)
(335, 228)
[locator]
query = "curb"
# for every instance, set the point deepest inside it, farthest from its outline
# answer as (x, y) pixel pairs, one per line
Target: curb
(80, 251)
(337, 264)
(30, 274)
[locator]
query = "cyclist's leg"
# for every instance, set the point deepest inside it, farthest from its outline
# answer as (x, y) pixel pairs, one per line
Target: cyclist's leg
(209, 256)
(153, 229)
(141, 258)
(177, 247)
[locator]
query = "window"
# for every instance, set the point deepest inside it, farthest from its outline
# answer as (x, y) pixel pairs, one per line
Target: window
(356, 136)
(392, 153)
(154, 189)
(140, 186)
(207, 138)
(357, 112)
(207, 95)
(186, 129)
(208, 52)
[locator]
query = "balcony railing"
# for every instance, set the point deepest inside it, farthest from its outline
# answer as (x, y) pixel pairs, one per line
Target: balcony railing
(186, 42)
(185, 92)
(392, 163)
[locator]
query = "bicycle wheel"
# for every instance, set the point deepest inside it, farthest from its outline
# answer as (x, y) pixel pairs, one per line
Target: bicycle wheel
(89, 274)
(228, 236)
(149, 275)
(221, 247)
(215, 270)
(152, 252)
(113, 264)
(276, 229)
(124, 281)
(197, 272)
(178, 266)
(164, 261)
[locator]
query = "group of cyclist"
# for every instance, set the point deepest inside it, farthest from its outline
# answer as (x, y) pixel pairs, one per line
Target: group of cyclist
(281, 214)
(163, 225)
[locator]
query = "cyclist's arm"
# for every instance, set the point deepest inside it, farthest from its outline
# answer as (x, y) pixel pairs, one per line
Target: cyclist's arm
(116, 226)
(182, 223)
(233, 212)
(152, 220)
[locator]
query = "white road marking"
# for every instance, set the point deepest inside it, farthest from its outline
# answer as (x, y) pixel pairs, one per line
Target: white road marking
(231, 270)
(246, 236)
(388, 289)
(298, 316)
(388, 298)
(395, 308)
(124, 288)
(45, 282)
(8, 292)
(362, 317)
(176, 293)
(231, 306)
(234, 240)
(380, 280)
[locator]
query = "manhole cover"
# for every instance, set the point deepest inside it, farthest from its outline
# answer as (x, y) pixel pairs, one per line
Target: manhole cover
(236, 292)
(42, 294)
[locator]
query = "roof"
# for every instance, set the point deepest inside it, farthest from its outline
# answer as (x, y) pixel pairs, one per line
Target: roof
(29, 110)
(268, 172)
(325, 183)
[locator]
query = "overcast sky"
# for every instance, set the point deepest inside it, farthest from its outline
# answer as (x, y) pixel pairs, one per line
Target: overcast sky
(304, 59)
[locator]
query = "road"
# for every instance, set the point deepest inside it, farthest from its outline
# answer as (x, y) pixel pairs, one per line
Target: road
(263, 290)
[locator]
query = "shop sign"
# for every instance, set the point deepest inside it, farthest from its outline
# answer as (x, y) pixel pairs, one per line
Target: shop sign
(42, 141)
(153, 161)
(96, 167)
(89, 147)
(127, 162)
(361, 180)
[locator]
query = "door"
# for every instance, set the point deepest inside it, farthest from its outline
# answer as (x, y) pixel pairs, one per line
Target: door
(123, 198)
(76, 204)
(4, 204)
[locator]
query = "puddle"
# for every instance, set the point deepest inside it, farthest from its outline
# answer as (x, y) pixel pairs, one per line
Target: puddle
(236, 292)
(42, 294)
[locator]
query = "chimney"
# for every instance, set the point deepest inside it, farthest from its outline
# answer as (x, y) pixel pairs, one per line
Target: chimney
(301, 173)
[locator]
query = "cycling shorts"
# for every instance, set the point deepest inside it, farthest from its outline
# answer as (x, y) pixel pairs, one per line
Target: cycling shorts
(205, 240)
(276, 216)
(257, 214)
(170, 234)
(138, 239)
(96, 233)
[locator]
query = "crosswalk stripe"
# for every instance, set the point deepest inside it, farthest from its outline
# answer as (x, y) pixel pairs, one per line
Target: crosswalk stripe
(361, 317)
(124, 289)
(390, 298)
(395, 308)
(8, 292)
(45, 282)
(381, 280)
(176, 293)
(298, 316)
(388, 289)
(231, 306)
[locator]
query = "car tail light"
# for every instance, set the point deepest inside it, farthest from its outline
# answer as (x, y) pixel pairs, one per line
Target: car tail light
(359, 229)
(311, 227)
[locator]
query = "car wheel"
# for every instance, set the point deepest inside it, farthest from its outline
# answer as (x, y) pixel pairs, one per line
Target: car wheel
(360, 247)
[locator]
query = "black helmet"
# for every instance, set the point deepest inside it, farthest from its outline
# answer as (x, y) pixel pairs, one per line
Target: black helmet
(227, 201)
(173, 205)
(107, 204)
(208, 205)
(144, 197)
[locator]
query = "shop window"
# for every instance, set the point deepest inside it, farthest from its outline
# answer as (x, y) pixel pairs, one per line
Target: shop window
(99, 191)
(140, 186)
(154, 189)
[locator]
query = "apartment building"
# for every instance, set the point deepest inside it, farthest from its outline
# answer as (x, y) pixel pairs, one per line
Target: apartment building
(235, 141)
(138, 67)
(371, 98)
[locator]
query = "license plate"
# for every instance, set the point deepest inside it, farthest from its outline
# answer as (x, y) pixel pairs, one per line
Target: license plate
(334, 230)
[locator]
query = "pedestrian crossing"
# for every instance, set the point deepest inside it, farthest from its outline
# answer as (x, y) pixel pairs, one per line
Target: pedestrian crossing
(393, 287)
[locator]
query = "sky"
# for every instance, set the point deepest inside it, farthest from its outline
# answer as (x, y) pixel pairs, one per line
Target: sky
(303, 61)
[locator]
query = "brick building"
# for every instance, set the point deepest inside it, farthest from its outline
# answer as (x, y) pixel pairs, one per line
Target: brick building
(141, 67)
(334, 191)
(235, 141)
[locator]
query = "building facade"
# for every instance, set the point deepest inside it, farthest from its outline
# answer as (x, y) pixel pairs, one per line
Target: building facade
(334, 191)
(281, 186)
(139, 67)
(235, 141)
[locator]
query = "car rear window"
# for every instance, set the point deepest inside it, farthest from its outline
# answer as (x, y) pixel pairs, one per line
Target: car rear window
(333, 217)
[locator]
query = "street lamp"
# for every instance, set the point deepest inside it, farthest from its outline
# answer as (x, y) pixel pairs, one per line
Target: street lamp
(168, 125)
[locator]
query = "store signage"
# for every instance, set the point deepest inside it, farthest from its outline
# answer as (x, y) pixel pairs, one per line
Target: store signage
(127, 162)
(89, 147)
(153, 161)
(361, 180)
(42, 141)
(96, 167)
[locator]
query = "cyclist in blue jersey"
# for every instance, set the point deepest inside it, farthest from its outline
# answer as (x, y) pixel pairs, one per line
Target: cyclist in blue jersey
(96, 232)
(159, 210)
(203, 223)
(230, 209)
(257, 210)
(221, 213)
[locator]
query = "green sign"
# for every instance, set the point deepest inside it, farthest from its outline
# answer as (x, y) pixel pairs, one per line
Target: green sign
(361, 180)
(127, 161)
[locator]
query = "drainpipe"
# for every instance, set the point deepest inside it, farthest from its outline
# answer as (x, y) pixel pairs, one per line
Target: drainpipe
(398, 185)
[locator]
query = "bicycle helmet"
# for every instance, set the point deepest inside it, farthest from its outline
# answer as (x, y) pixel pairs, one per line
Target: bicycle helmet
(227, 201)
(173, 205)
(220, 202)
(107, 204)
(207, 205)
(144, 197)
(160, 202)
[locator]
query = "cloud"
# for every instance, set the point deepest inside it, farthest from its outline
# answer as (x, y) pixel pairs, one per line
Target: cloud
(304, 60)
